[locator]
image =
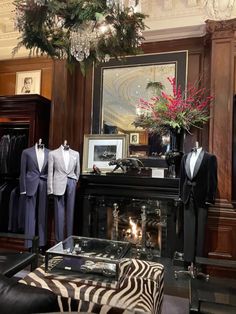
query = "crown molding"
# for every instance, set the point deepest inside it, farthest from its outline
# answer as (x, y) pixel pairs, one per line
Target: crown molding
(175, 33)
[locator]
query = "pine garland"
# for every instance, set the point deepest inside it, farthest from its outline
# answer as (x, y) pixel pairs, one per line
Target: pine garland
(46, 25)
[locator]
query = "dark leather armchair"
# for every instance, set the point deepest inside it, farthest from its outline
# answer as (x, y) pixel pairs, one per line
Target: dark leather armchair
(16, 298)
(12, 262)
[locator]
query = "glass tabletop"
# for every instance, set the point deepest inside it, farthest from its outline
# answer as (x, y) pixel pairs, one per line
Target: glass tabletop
(86, 256)
(91, 247)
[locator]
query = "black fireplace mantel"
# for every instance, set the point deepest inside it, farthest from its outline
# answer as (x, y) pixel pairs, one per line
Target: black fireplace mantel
(133, 186)
(98, 193)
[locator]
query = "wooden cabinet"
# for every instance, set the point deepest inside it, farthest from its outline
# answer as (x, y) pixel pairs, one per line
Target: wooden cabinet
(24, 119)
(29, 111)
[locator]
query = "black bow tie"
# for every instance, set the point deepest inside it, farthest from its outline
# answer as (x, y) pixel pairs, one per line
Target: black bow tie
(194, 149)
(40, 146)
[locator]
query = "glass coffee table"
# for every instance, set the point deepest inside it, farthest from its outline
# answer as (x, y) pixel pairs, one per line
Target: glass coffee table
(87, 256)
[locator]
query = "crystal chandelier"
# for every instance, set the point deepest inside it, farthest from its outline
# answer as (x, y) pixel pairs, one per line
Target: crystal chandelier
(88, 31)
(219, 9)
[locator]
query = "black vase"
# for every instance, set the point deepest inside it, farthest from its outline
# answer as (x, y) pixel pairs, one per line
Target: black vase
(177, 140)
(174, 156)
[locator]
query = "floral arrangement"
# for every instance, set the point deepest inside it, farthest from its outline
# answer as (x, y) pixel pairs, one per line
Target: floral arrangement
(177, 111)
(79, 30)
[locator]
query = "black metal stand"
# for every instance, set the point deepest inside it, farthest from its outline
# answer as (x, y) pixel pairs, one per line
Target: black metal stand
(193, 272)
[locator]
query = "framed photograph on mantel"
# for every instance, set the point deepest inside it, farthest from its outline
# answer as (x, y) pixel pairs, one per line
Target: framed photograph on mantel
(28, 82)
(100, 149)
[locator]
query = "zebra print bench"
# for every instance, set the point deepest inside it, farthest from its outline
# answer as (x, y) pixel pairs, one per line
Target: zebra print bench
(139, 289)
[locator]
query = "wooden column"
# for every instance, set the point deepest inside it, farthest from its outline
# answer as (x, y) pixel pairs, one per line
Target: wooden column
(222, 86)
(221, 233)
(71, 106)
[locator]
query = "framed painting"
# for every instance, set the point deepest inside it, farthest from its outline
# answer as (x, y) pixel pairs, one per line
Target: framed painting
(99, 150)
(28, 82)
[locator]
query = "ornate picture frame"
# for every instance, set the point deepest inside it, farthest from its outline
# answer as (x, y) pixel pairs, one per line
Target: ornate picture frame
(28, 82)
(99, 150)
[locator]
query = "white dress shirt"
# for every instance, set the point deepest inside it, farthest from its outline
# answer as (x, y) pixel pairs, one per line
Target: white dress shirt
(66, 156)
(193, 160)
(40, 156)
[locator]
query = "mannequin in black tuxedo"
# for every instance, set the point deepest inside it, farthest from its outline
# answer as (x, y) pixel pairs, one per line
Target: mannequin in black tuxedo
(198, 183)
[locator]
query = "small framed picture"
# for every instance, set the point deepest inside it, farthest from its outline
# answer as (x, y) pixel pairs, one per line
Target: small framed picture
(100, 149)
(28, 82)
(134, 138)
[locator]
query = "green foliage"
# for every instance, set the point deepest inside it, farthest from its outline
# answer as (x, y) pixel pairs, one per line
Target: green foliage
(46, 26)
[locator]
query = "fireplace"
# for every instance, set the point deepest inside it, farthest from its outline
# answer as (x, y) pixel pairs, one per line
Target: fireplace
(141, 222)
(140, 210)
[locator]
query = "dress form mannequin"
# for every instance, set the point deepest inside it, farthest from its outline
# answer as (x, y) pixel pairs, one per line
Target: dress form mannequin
(33, 184)
(63, 174)
(198, 182)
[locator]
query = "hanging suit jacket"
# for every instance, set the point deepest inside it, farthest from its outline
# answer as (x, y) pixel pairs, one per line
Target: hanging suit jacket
(203, 183)
(4, 149)
(30, 174)
(57, 172)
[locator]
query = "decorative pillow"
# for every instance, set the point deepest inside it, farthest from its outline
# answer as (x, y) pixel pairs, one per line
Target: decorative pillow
(17, 298)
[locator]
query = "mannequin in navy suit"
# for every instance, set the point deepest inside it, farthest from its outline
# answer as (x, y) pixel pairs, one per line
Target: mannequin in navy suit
(33, 183)
(198, 183)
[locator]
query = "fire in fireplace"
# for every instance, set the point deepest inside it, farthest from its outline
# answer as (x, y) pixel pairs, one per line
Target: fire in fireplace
(140, 224)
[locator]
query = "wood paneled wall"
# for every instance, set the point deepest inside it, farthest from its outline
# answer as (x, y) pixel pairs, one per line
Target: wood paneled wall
(8, 69)
(71, 106)
(71, 115)
(76, 109)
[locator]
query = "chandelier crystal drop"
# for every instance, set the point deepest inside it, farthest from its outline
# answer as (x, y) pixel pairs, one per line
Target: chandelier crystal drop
(81, 41)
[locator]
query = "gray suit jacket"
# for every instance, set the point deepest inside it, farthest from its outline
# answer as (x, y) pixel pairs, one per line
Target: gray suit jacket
(30, 174)
(57, 173)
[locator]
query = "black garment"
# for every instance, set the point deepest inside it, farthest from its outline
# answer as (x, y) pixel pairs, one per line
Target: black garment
(195, 219)
(17, 205)
(197, 192)
(11, 147)
(204, 181)
(4, 148)
(17, 145)
(5, 194)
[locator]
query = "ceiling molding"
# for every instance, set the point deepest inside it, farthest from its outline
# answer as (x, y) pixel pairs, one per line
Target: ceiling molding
(175, 33)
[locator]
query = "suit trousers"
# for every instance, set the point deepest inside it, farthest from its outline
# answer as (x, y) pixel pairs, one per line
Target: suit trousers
(64, 211)
(195, 219)
(36, 209)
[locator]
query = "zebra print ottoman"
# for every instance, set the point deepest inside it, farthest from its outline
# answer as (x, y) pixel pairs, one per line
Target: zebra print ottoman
(139, 289)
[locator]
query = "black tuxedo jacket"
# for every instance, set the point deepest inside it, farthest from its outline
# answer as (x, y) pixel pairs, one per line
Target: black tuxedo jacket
(203, 184)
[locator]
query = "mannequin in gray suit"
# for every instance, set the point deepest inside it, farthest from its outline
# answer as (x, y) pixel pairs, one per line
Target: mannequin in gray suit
(63, 175)
(33, 183)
